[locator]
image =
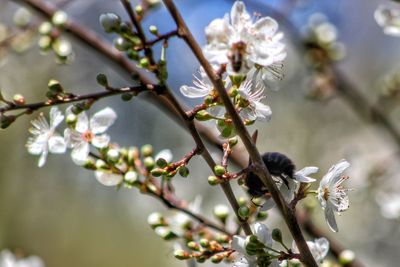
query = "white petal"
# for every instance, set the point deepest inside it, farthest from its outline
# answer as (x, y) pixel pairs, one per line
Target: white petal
(194, 92)
(308, 170)
(321, 248)
(102, 120)
(216, 111)
(82, 123)
(263, 112)
(80, 153)
(330, 217)
(267, 26)
(239, 14)
(56, 117)
(57, 145)
(36, 145)
(101, 141)
(388, 19)
(301, 176)
(239, 244)
(263, 233)
(338, 169)
(108, 179)
(268, 204)
(42, 159)
(165, 154)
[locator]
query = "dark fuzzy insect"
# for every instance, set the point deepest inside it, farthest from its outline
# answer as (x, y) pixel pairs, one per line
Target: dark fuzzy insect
(278, 165)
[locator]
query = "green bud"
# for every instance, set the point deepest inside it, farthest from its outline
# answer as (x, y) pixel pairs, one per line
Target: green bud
(133, 153)
(227, 131)
(90, 164)
(71, 120)
(22, 17)
(217, 258)
(59, 18)
(237, 79)
(171, 174)
(131, 177)
(149, 163)
(156, 219)
(242, 201)
(146, 150)
(125, 28)
(347, 257)
(162, 163)
(203, 115)
(221, 212)
(132, 54)
(44, 43)
(110, 22)
(277, 235)
(122, 44)
(183, 171)
(244, 212)
(153, 29)
(77, 108)
(55, 86)
(201, 258)
(144, 62)
(6, 121)
(208, 100)
(193, 246)
(224, 239)
(165, 233)
(101, 165)
(158, 172)
(213, 180)
(18, 99)
(139, 10)
(102, 80)
(113, 155)
(181, 254)
(204, 243)
(233, 141)
(219, 170)
(261, 215)
(126, 96)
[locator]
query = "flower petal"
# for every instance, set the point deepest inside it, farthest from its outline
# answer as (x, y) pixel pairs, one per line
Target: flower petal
(80, 153)
(263, 112)
(194, 92)
(330, 217)
(108, 179)
(301, 176)
(42, 159)
(268, 204)
(239, 244)
(102, 120)
(101, 141)
(82, 123)
(263, 233)
(267, 26)
(57, 145)
(56, 117)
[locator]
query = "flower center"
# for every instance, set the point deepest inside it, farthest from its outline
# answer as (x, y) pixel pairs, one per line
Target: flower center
(326, 193)
(87, 136)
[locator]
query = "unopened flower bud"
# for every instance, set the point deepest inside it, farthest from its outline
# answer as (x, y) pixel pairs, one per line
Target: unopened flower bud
(22, 17)
(193, 246)
(18, 99)
(62, 48)
(44, 43)
(165, 233)
(71, 120)
(156, 219)
(203, 115)
(146, 150)
(139, 10)
(244, 212)
(100, 164)
(59, 18)
(217, 258)
(347, 257)
(6, 121)
(242, 201)
(183, 171)
(221, 212)
(132, 54)
(144, 62)
(261, 215)
(209, 100)
(181, 254)
(113, 155)
(133, 153)
(124, 28)
(127, 96)
(102, 79)
(45, 28)
(55, 86)
(223, 239)
(153, 29)
(213, 180)
(219, 170)
(131, 177)
(277, 235)
(149, 163)
(233, 141)
(205, 243)
(158, 172)
(122, 44)
(110, 22)
(161, 162)
(90, 164)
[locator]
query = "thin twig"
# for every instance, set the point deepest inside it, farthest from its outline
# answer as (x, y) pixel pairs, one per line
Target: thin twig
(260, 168)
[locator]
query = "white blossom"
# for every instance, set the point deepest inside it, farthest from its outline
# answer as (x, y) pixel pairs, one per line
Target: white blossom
(388, 19)
(45, 139)
(202, 86)
(288, 190)
(7, 259)
(319, 248)
(89, 132)
(108, 178)
(256, 41)
(254, 109)
(332, 195)
(239, 244)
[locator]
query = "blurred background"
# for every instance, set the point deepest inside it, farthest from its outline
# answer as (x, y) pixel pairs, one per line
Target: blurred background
(62, 214)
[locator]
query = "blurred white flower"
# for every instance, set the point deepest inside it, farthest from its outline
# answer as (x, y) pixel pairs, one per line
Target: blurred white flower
(7, 259)
(240, 43)
(164, 154)
(45, 139)
(239, 244)
(108, 178)
(319, 248)
(288, 190)
(254, 109)
(389, 204)
(388, 19)
(89, 132)
(332, 195)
